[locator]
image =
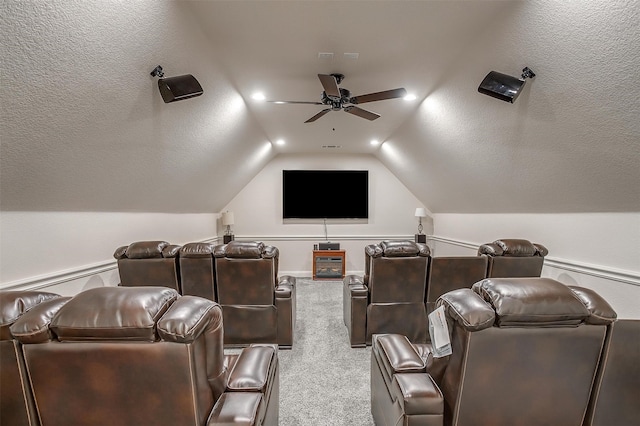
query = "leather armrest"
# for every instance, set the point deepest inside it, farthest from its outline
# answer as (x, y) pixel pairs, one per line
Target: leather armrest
(352, 279)
(283, 292)
(601, 313)
(541, 250)
(355, 297)
(356, 285)
(251, 371)
(398, 355)
(33, 326)
(418, 394)
(285, 299)
(171, 251)
(236, 408)
(287, 280)
(285, 288)
(121, 252)
(434, 366)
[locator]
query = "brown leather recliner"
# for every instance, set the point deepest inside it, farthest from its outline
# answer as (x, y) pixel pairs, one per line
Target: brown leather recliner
(197, 275)
(390, 297)
(149, 263)
(616, 399)
(258, 306)
(524, 351)
(16, 400)
(513, 258)
(143, 355)
(451, 273)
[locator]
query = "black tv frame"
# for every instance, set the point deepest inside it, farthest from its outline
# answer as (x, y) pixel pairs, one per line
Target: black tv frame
(325, 194)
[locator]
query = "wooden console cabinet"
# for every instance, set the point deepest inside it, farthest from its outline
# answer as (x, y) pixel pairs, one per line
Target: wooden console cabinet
(328, 264)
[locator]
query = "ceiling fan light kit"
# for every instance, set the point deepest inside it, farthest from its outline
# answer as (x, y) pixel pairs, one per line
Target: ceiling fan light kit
(337, 98)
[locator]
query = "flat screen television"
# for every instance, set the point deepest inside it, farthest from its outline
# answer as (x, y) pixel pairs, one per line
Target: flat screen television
(325, 194)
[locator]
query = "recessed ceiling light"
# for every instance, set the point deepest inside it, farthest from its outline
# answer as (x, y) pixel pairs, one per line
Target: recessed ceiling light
(258, 96)
(374, 142)
(410, 97)
(280, 142)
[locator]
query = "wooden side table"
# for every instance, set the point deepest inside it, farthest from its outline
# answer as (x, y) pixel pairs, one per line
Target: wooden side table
(329, 264)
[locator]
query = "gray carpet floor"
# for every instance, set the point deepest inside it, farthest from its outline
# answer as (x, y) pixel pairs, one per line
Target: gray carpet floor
(323, 381)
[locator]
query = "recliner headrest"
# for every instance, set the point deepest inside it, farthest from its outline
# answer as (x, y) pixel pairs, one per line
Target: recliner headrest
(196, 250)
(243, 250)
(520, 302)
(525, 302)
(147, 250)
(113, 313)
(398, 248)
(513, 248)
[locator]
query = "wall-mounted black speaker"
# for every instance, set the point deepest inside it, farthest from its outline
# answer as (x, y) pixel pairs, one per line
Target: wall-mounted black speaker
(501, 86)
(179, 88)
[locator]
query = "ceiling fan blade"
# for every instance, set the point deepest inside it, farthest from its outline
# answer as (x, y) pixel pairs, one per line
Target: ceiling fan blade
(330, 85)
(296, 102)
(318, 115)
(361, 112)
(379, 96)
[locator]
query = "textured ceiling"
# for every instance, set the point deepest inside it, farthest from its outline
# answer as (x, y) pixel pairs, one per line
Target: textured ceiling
(84, 128)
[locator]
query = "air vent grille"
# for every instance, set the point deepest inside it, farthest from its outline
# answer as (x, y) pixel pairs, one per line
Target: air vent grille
(331, 146)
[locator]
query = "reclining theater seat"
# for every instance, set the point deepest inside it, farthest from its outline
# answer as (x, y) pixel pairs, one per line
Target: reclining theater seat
(143, 356)
(449, 273)
(390, 298)
(258, 307)
(513, 258)
(197, 276)
(524, 351)
(149, 263)
(616, 401)
(16, 399)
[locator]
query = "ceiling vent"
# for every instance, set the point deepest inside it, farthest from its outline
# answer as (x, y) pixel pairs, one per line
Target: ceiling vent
(325, 56)
(331, 146)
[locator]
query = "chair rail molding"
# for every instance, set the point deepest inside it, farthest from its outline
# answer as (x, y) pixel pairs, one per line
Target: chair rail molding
(322, 238)
(598, 271)
(60, 277)
(86, 271)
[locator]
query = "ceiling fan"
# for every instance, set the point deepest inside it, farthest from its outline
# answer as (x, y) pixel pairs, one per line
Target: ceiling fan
(337, 98)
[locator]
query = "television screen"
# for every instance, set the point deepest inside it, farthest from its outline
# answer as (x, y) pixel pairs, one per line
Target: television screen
(325, 194)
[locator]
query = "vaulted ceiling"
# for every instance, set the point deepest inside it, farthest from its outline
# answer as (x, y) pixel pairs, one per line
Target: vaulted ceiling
(84, 128)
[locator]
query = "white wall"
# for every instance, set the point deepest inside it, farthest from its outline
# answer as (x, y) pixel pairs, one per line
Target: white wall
(600, 251)
(258, 212)
(66, 252)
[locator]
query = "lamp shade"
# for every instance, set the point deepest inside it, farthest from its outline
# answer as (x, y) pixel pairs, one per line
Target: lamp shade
(421, 212)
(227, 218)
